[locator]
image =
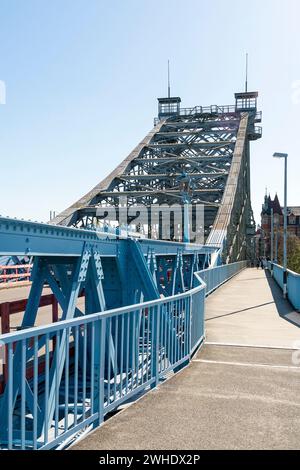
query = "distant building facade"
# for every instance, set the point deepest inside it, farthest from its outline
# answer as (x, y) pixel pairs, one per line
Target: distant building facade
(263, 233)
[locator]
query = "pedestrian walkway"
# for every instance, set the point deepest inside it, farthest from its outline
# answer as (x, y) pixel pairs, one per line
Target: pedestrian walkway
(250, 309)
(241, 391)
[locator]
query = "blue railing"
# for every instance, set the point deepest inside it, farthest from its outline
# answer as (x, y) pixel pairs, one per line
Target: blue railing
(215, 277)
(293, 283)
(72, 373)
(278, 274)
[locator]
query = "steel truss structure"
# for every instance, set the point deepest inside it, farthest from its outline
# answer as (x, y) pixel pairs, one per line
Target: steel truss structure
(197, 155)
(143, 308)
(112, 273)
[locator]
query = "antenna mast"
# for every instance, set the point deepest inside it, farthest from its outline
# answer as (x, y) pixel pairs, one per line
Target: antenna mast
(246, 82)
(169, 92)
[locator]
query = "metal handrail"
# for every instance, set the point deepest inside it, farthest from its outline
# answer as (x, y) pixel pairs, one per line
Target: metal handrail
(71, 323)
(293, 282)
(129, 348)
(11, 272)
(213, 109)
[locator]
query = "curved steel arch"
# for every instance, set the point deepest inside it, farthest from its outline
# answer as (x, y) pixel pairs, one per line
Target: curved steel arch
(210, 147)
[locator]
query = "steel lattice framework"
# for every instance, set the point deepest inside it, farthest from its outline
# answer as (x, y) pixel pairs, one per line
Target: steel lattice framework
(206, 149)
(143, 309)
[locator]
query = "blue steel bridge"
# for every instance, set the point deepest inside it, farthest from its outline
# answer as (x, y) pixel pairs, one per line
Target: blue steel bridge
(131, 304)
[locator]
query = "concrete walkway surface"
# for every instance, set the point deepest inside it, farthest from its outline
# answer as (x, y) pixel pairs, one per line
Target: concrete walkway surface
(241, 390)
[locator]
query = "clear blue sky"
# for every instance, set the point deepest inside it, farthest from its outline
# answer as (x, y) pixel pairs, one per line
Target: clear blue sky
(82, 78)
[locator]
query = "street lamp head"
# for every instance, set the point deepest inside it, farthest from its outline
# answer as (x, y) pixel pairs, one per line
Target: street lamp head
(280, 155)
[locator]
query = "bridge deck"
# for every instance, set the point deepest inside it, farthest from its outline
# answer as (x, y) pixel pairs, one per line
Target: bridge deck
(230, 396)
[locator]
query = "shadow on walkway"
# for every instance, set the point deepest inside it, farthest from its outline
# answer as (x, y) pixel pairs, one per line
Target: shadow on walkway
(250, 279)
(240, 311)
(283, 306)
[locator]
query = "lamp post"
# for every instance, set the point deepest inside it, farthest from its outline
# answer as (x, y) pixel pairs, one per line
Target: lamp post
(285, 156)
(276, 247)
(186, 199)
(272, 240)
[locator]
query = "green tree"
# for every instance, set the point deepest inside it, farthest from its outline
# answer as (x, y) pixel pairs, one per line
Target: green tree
(293, 251)
(294, 258)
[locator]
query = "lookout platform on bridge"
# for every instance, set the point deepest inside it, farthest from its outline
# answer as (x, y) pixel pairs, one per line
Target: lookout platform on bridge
(241, 391)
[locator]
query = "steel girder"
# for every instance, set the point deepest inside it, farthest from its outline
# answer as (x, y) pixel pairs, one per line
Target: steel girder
(129, 265)
(234, 226)
(26, 238)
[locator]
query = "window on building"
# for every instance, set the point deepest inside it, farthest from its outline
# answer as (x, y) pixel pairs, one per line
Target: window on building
(292, 220)
(276, 220)
(265, 219)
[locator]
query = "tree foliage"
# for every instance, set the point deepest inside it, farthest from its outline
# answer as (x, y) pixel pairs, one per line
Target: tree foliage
(293, 251)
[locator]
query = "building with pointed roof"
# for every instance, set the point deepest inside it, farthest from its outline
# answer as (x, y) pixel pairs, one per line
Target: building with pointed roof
(264, 233)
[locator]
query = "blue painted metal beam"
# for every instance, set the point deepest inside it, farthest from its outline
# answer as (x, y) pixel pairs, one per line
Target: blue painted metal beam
(19, 237)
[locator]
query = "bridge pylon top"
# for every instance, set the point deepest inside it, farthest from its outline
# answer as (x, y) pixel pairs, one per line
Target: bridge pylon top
(168, 106)
(246, 101)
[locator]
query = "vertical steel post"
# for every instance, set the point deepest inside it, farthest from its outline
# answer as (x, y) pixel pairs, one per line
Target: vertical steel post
(276, 246)
(272, 239)
(285, 231)
(99, 367)
(5, 320)
(186, 223)
(285, 156)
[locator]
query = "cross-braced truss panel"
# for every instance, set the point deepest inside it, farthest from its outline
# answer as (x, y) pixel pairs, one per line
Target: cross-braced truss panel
(198, 147)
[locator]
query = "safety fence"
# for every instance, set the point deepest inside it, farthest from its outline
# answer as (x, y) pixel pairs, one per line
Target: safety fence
(293, 283)
(15, 273)
(198, 110)
(11, 308)
(71, 374)
(213, 278)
